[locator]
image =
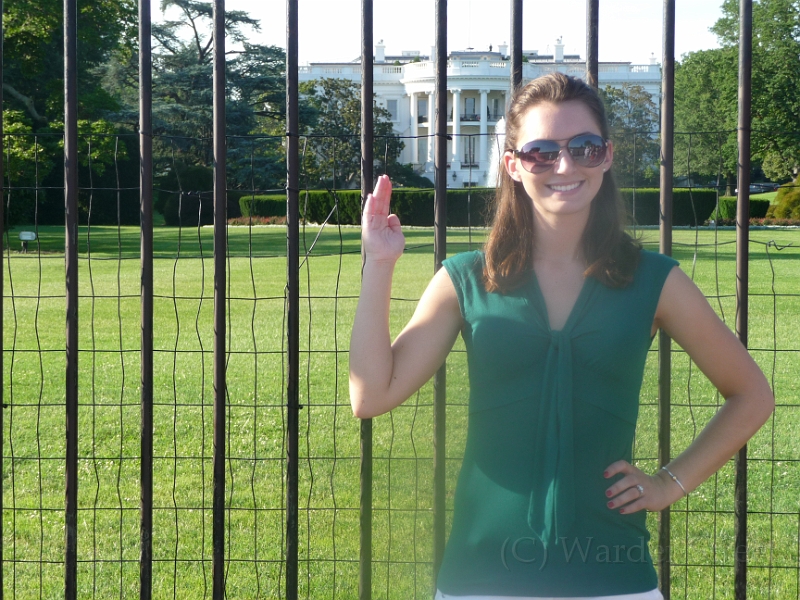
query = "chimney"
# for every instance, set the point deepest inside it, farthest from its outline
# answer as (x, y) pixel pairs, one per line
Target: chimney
(503, 49)
(380, 52)
(559, 51)
(653, 59)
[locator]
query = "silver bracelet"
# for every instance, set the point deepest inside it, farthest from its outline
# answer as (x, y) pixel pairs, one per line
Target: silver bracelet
(676, 480)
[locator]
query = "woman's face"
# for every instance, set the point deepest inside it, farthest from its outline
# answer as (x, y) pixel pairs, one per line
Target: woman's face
(566, 188)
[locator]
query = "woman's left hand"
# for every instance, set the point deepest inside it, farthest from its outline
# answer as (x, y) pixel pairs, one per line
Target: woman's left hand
(639, 491)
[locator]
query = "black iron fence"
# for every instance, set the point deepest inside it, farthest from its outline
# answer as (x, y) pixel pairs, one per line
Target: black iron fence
(210, 450)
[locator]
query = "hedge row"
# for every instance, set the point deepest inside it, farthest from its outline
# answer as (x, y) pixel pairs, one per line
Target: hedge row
(195, 205)
(471, 206)
(727, 209)
(193, 208)
(689, 207)
(413, 206)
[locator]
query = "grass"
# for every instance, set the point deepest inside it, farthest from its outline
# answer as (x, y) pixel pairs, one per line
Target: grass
(765, 196)
(109, 420)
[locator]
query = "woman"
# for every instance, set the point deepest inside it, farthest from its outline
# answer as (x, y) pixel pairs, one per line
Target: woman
(557, 315)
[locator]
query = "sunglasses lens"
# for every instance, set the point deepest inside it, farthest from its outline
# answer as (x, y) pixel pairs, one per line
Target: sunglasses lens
(587, 150)
(539, 155)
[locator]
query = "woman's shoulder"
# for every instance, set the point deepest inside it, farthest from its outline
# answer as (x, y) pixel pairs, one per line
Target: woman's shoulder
(466, 272)
(653, 269)
(465, 263)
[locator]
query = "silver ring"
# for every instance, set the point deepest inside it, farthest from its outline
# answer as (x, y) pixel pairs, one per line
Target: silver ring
(641, 490)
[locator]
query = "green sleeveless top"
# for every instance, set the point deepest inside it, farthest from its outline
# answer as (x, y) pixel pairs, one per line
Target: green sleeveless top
(548, 412)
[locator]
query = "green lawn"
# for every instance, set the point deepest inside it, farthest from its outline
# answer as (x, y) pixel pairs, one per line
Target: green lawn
(765, 196)
(109, 420)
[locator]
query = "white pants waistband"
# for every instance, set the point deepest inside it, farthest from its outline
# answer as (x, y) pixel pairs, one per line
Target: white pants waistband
(651, 595)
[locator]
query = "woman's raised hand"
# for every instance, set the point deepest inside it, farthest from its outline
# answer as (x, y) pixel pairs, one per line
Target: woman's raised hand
(381, 236)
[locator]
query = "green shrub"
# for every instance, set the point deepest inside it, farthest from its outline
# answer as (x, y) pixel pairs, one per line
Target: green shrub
(273, 205)
(413, 206)
(692, 207)
(190, 188)
(189, 209)
(470, 207)
(787, 201)
(727, 209)
(689, 207)
(316, 206)
(467, 206)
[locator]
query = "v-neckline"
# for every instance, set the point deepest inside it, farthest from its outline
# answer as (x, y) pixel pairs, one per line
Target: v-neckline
(579, 301)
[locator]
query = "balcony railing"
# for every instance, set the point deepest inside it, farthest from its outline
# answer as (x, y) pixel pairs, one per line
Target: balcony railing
(476, 117)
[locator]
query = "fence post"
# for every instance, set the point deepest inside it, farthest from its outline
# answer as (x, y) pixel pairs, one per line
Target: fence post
(220, 248)
(742, 276)
(293, 296)
(440, 253)
(71, 266)
(146, 291)
(2, 292)
(592, 36)
(367, 150)
(665, 246)
(516, 45)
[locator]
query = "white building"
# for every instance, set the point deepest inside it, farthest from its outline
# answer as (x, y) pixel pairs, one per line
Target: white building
(477, 84)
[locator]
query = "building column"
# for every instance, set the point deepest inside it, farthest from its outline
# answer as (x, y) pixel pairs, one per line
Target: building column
(414, 130)
(484, 154)
(455, 160)
(431, 113)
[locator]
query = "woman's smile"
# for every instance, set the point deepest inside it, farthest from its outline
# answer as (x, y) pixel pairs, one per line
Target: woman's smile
(565, 187)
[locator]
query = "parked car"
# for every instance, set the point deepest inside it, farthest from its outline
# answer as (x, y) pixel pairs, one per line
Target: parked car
(760, 188)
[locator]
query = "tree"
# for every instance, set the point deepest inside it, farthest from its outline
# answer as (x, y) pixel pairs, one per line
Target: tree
(33, 74)
(334, 122)
(633, 117)
(776, 81)
(33, 82)
(706, 94)
(183, 101)
(706, 115)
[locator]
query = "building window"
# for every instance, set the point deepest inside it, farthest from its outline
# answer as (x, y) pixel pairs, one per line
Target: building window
(391, 106)
(422, 149)
(497, 111)
(422, 109)
(469, 152)
(469, 109)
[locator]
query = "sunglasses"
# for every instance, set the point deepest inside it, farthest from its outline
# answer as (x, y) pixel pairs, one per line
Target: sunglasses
(586, 150)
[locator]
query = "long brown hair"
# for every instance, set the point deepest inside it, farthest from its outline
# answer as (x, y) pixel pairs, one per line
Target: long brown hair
(612, 255)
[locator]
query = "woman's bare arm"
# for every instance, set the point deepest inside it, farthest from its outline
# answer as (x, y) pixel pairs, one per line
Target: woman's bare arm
(686, 317)
(384, 374)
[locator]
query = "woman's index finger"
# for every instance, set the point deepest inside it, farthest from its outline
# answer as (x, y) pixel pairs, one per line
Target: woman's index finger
(383, 189)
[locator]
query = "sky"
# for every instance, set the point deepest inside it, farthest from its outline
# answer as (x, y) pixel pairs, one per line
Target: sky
(630, 30)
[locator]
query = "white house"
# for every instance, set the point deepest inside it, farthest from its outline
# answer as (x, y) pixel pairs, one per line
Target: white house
(477, 85)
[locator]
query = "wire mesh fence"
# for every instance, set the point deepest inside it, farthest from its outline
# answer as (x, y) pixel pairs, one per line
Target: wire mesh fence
(232, 467)
(701, 547)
